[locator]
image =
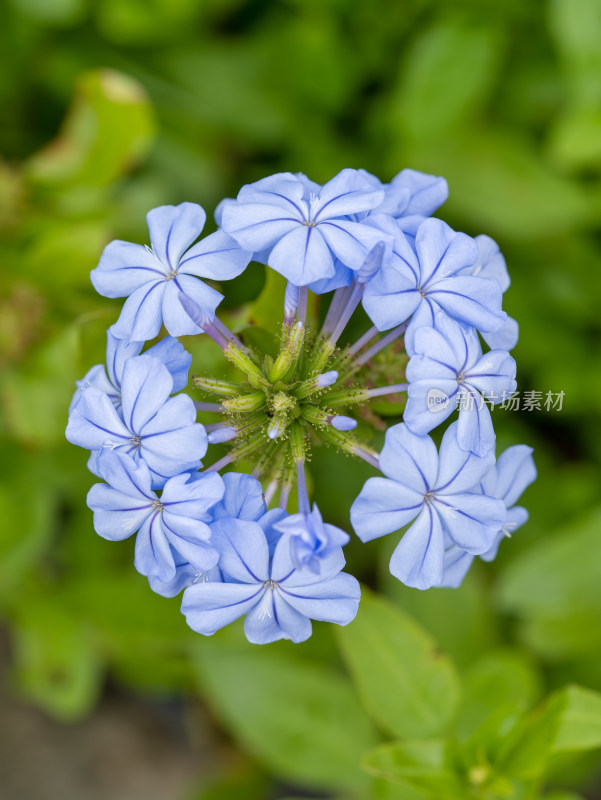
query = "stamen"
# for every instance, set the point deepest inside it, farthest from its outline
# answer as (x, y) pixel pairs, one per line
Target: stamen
(382, 343)
(337, 303)
(216, 408)
(347, 312)
(363, 340)
(227, 333)
(381, 391)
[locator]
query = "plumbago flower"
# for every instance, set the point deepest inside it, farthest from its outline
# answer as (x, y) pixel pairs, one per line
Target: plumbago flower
(151, 278)
(153, 427)
(448, 370)
(440, 491)
(507, 479)
(108, 380)
(174, 523)
(253, 545)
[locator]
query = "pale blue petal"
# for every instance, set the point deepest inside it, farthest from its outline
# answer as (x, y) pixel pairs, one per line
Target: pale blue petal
(441, 251)
(351, 241)
(141, 316)
(391, 297)
(172, 442)
(349, 192)
(418, 558)
(490, 262)
(456, 565)
(173, 229)
(123, 473)
(116, 514)
(176, 319)
(429, 403)
(302, 256)
(268, 522)
(211, 606)
(243, 498)
(505, 338)
(426, 192)
(244, 554)
(409, 459)
(515, 471)
(283, 570)
(426, 315)
(273, 619)
(95, 378)
(193, 499)
(475, 430)
(342, 276)
(117, 353)
(153, 556)
(175, 357)
(283, 190)
(125, 267)
(218, 257)
(191, 539)
(471, 520)
(145, 387)
(384, 506)
(95, 422)
(474, 301)
(333, 600)
(258, 226)
(460, 470)
(493, 375)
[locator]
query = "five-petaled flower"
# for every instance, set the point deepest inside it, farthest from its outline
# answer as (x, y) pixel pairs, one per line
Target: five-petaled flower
(151, 278)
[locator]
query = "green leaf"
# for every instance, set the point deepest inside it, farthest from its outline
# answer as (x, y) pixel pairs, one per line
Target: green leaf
(450, 71)
(553, 588)
(109, 128)
(502, 681)
(55, 661)
(36, 398)
(580, 723)
(422, 764)
(570, 720)
(406, 684)
(298, 717)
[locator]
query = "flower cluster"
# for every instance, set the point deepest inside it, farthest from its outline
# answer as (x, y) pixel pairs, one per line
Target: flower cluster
(232, 546)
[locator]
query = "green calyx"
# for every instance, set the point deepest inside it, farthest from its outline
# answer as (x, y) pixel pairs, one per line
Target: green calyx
(286, 403)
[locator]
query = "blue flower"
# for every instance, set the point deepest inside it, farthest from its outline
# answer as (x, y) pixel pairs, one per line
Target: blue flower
(414, 285)
(439, 491)
(447, 370)
(242, 499)
(278, 599)
(311, 540)
(173, 525)
(304, 236)
(152, 278)
(160, 430)
(168, 351)
(513, 472)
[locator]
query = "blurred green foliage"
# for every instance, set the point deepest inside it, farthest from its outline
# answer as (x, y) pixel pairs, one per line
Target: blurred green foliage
(115, 106)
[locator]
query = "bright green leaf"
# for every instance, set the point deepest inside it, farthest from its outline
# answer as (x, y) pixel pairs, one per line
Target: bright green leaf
(298, 717)
(406, 684)
(108, 130)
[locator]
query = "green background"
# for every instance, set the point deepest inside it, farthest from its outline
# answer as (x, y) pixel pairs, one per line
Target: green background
(112, 107)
